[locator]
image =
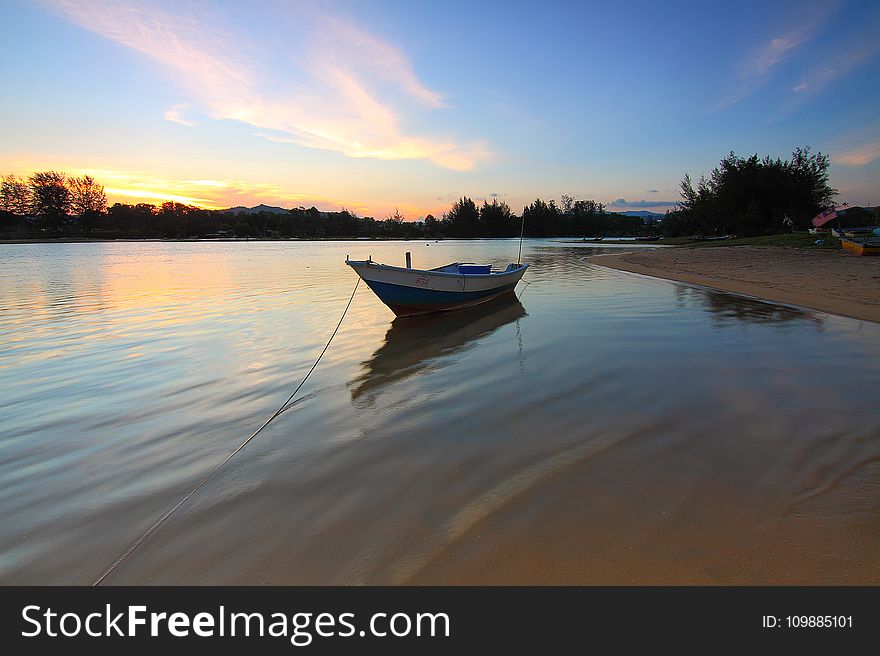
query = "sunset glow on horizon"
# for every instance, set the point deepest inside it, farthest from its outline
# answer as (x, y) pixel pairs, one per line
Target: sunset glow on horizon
(377, 106)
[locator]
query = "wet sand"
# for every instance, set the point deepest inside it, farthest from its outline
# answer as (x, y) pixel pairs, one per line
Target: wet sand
(831, 281)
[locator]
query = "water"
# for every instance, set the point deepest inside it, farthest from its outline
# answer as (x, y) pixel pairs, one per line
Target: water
(605, 428)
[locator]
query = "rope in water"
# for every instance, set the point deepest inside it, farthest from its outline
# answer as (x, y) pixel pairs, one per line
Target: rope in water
(281, 409)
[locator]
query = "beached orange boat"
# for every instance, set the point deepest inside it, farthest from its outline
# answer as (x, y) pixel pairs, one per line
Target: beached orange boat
(861, 246)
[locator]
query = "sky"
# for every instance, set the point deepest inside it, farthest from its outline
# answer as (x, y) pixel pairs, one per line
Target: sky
(381, 105)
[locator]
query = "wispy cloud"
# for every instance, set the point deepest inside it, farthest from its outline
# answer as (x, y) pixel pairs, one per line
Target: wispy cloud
(759, 65)
(860, 156)
(774, 52)
(836, 66)
(344, 95)
(175, 115)
(340, 46)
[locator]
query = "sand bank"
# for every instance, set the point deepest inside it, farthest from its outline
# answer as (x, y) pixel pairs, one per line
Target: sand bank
(831, 281)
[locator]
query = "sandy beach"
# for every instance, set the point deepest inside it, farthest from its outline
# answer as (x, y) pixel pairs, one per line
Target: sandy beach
(831, 281)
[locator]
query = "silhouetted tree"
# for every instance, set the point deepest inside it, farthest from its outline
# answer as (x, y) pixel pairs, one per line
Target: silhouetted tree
(86, 196)
(753, 196)
(394, 224)
(463, 220)
(432, 226)
(587, 220)
(87, 201)
(132, 220)
(566, 202)
(50, 197)
(15, 195)
(540, 218)
(346, 223)
(496, 220)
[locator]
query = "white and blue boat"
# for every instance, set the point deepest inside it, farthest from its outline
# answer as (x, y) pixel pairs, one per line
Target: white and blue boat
(412, 292)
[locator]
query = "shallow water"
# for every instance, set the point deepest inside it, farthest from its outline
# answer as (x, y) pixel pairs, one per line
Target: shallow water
(604, 428)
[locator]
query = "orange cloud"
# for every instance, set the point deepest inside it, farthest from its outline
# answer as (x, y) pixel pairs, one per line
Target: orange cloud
(127, 186)
(155, 184)
(860, 156)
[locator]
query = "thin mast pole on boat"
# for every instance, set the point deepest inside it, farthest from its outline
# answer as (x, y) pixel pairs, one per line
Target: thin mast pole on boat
(522, 226)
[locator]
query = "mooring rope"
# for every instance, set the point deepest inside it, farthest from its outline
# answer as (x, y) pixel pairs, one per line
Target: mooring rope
(281, 409)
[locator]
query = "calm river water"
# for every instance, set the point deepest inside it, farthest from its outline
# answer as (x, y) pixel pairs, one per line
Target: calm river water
(606, 428)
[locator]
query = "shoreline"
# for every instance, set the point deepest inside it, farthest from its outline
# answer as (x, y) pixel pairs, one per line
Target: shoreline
(828, 281)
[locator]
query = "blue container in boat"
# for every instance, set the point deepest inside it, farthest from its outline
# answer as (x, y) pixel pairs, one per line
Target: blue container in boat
(473, 269)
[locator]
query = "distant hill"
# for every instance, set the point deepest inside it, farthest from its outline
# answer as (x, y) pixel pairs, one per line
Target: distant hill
(255, 210)
(644, 214)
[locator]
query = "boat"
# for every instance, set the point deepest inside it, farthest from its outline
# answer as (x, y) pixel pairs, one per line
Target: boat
(592, 239)
(648, 238)
(865, 231)
(868, 246)
(412, 292)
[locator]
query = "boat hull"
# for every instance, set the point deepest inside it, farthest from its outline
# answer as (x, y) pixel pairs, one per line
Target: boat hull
(860, 247)
(409, 302)
(414, 292)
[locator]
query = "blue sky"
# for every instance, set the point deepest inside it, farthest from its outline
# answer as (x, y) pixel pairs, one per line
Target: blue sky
(377, 105)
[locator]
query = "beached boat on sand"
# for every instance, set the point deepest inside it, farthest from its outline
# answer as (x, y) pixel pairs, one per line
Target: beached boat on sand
(862, 231)
(869, 246)
(412, 292)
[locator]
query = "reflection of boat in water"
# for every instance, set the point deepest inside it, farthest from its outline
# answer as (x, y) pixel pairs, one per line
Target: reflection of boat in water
(412, 346)
(411, 292)
(727, 307)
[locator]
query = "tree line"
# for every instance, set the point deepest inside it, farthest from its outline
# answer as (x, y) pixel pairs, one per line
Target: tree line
(754, 196)
(53, 199)
(51, 204)
(574, 218)
(742, 196)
